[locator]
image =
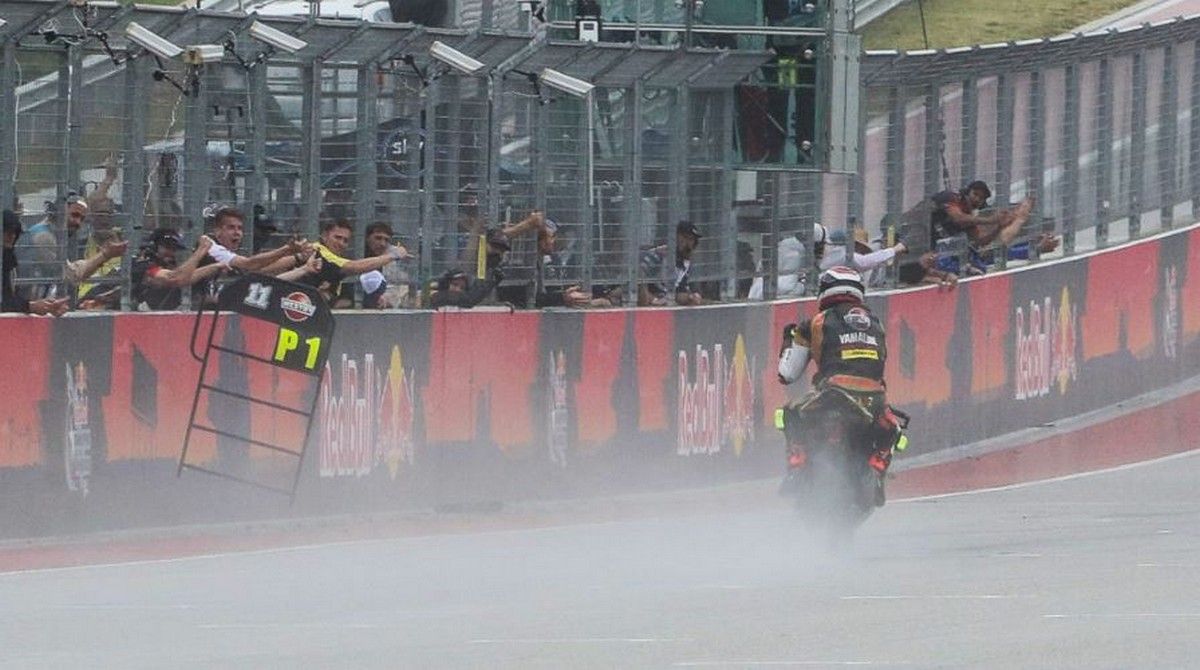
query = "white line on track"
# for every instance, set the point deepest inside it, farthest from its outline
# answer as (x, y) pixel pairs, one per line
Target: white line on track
(742, 664)
(1129, 615)
(290, 626)
(384, 540)
(581, 640)
(949, 596)
(1053, 480)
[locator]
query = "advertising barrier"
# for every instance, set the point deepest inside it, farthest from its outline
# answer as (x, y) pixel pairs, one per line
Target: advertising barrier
(456, 409)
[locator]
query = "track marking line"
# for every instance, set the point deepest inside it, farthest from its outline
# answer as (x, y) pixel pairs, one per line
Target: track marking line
(1054, 480)
(105, 607)
(951, 596)
(580, 640)
(711, 664)
(1129, 615)
(284, 626)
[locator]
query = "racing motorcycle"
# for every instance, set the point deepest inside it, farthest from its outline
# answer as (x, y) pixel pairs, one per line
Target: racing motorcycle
(835, 471)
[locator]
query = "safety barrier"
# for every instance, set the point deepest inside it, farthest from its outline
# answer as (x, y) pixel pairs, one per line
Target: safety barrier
(428, 409)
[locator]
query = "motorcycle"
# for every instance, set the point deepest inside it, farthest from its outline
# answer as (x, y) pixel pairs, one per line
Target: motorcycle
(835, 472)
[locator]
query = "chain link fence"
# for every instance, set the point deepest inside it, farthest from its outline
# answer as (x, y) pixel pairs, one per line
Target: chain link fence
(362, 125)
(1096, 129)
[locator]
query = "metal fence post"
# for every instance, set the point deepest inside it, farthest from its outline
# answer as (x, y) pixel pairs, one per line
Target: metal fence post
(727, 181)
(678, 188)
(771, 258)
(257, 189)
(1104, 152)
(8, 138)
(1005, 104)
(8, 111)
(430, 224)
(1070, 131)
(310, 151)
(1137, 144)
(1167, 137)
(895, 152)
(587, 206)
(970, 134)
(1194, 132)
(933, 140)
(367, 180)
(133, 185)
(633, 195)
(1037, 139)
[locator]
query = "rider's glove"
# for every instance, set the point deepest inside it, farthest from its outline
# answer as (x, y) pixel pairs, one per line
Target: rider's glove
(789, 334)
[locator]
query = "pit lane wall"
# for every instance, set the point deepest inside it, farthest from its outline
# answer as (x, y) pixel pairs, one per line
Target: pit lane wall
(450, 409)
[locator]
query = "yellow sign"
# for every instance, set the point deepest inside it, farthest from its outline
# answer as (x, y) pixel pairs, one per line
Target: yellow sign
(289, 342)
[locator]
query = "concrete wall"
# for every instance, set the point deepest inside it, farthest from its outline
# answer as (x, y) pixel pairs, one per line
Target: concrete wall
(425, 409)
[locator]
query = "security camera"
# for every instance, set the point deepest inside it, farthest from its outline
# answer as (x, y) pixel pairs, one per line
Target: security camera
(276, 38)
(455, 58)
(152, 42)
(565, 83)
(199, 54)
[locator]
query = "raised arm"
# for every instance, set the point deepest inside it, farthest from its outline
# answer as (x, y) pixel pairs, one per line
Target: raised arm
(80, 270)
(182, 275)
(361, 265)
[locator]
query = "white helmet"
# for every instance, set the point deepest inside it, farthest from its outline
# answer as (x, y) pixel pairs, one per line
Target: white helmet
(840, 281)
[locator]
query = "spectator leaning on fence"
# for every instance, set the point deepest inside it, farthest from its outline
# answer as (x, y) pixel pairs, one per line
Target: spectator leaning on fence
(867, 259)
(389, 287)
(551, 271)
(228, 230)
(102, 240)
(334, 267)
(456, 289)
(958, 213)
(157, 276)
(13, 301)
(49, 247)
(687, 238)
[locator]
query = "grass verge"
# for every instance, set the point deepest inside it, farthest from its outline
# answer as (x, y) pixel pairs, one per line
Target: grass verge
(953, 23)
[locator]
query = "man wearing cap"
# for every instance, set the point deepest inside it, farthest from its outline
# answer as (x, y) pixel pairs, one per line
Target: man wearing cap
(456, 289)
(157, 277)
(13, 301)
(687, 238)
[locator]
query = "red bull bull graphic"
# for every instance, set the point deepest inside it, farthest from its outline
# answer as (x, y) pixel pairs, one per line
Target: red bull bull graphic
(1171, 330)
(558, 413)
(77, 448)
(717, 408)
(370, 422)
(1046, 335)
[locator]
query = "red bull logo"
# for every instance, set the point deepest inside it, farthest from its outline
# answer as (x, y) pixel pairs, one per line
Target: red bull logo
(716, 407)
(370, 422)
(1045, 344)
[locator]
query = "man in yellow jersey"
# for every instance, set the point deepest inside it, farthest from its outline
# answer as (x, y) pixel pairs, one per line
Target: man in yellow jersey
(335, 267)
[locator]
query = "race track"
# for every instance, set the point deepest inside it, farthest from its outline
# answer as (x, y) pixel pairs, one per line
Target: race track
(1091, 572)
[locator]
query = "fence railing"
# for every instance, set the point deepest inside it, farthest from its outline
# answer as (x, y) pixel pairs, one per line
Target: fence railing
(362, 125)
